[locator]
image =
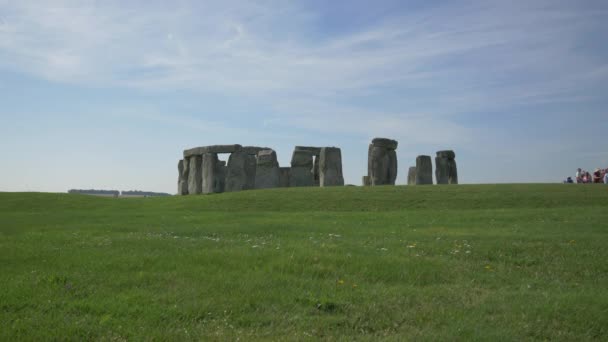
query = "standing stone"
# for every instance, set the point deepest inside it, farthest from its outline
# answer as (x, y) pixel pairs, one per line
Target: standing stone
(452, 172)
(424, 170)
(379, 166)
(210, 169)
(365, 181)
(330, 167)
(236, 174)
(195, 175)
(284, 177)
(315, 172)
(441, 170)
(250, 169)
(219, 179)
(369, 163)
(411, 176)
(267, 174)
(445, 167)
(392, 167)
(382, 162)
(301, 169)
(182, 180)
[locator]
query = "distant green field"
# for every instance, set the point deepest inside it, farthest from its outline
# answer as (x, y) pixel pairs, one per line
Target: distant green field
(468, 262)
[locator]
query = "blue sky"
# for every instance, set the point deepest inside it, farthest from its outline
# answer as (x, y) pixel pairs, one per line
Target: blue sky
(106, 94)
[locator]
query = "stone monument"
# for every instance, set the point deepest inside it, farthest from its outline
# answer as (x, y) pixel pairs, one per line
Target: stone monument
(301, 173)
(411, 176)
(424, 170)
(267, 170)
(445, 167)
(195, 174)
(182, 181)
(382, 162)
(330, 167)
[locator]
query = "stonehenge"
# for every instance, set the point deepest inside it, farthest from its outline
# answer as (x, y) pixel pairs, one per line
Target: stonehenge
(195, 174)
(382, 162)
(210, 171)
(182, 181)
(200, 171)
(316, 152)
(284, 177)
(197, 151)
(252, 167)
(301, 173)
(267, 174)
(236, 173)
(330, 167)
(445, 167)
(366, 181)
(411, 176)
(424, 170)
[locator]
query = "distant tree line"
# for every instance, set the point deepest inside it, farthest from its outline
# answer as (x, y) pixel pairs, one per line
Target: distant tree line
(143, 193)
(117, 193)
(94, 192)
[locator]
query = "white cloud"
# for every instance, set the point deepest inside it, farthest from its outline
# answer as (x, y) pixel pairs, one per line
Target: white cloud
(466, 56)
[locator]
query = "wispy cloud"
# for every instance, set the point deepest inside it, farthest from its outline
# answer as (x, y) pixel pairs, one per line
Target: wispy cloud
(439, 61)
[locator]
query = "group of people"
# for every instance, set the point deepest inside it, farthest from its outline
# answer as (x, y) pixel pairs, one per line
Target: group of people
(582, 176)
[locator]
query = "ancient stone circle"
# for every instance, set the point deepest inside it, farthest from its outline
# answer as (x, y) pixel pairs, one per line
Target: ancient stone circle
(251, 167)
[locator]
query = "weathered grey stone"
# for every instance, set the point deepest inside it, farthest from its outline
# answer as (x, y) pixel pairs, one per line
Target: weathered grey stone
(267, 174)
(389, 144)
(195, 175)
(302, 158)
(369, 163)
(382, 162)
(365, 181)
(210, 170)
(315, 150)
(452, 172)
(392, 167)
(379, 166)
(219, 181)
(315, 172)
(411, 176)
(330, 167)
(449, 154)
(212, 149)
(253, 150)
(182, 179)
(424, 170)
(301, 173)
(284, 177)
(236, 174)
(250, 170)
(445, 167)
(441, 170)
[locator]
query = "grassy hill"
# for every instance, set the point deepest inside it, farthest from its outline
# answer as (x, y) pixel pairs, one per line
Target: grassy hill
(507, 262)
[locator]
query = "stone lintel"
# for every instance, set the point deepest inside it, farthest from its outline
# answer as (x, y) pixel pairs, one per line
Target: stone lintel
(316, 151)
(449, 154)
(253, 150)
(389, 144)
(212, 149)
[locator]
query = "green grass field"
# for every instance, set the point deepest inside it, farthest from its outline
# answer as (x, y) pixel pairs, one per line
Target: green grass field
(469, 262)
